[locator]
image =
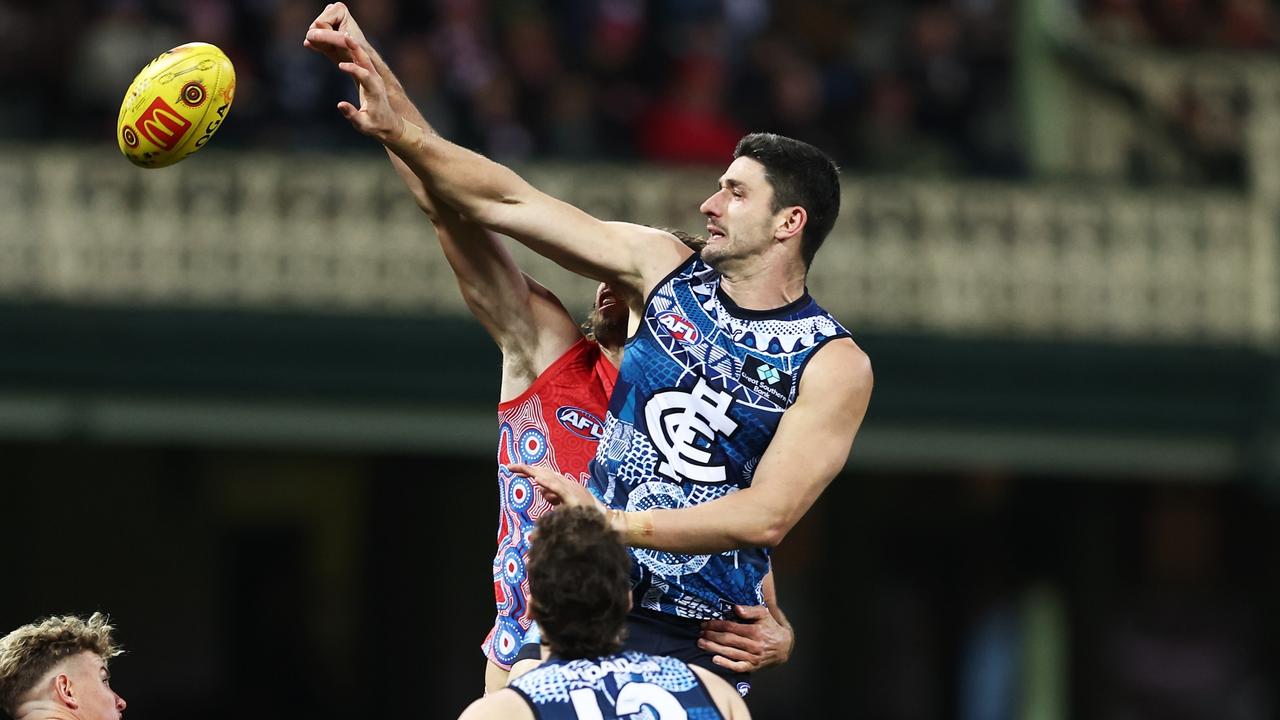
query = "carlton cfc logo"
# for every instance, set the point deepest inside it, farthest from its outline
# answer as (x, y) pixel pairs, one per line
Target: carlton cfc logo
(580, 422)
(680, 329)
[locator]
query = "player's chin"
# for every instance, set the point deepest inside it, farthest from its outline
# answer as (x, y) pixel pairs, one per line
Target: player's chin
(609, 324)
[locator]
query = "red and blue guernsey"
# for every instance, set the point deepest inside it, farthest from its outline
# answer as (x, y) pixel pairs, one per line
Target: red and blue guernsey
(556, 423)
(617, 686)
(700, 393)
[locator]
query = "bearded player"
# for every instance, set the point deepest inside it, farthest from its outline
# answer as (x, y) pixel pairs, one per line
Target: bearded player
(554, 393)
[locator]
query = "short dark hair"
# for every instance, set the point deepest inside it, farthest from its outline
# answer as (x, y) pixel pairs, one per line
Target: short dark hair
(800, 174)
(579, 583)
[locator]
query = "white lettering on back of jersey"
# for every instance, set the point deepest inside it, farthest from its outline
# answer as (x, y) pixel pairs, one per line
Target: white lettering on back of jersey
(677, 419)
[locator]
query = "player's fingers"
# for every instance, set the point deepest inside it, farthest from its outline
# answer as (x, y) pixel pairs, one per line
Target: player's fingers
(361, 75)
(751, 613)
(740, 666)
(329, 41)
(522, 469)
(743, 643)
(723, 650)
(727, 626)
(735, 660)
(357, 51)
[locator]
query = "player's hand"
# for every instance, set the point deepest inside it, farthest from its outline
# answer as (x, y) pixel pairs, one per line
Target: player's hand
(374, 117)
(328, 32)
(558, 489)
(756, 640)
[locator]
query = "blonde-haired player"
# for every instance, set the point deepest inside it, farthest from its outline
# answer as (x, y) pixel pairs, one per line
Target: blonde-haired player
(57, 669)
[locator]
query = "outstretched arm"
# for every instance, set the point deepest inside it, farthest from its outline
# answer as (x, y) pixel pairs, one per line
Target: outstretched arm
(630, 257)
(526, 320)
(809, 448)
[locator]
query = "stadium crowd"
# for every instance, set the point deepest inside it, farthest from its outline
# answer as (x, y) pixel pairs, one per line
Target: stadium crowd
(902, 87)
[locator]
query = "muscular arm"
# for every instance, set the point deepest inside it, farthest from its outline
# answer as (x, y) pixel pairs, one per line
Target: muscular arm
(809, 448)
(525, 319)
(630, 257)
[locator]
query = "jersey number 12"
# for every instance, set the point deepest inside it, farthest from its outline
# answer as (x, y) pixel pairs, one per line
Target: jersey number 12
(631, 699)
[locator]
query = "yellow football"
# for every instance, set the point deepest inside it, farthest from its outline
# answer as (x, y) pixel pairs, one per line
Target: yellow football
(175, 104)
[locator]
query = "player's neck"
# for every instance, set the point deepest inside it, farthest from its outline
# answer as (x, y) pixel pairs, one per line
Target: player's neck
(764, 283)
(612, 353)
(44, 710)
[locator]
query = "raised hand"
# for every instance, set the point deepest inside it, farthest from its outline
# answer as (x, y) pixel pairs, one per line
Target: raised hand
(756, 640)
(374, 117)
(328, 32)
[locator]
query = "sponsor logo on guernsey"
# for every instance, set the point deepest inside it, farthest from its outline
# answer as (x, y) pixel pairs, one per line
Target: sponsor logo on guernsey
(679, 328)
(595, 671)
(580, 422)
(162, 125)
(766, 380)
(683, 424)
(744, 688)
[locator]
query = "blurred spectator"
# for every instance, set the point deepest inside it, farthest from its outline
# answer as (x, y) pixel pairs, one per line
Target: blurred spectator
(1247, 25)
(900, 87)
(689, 124)
(1230, 24)
(1182, 645)
(125, 37)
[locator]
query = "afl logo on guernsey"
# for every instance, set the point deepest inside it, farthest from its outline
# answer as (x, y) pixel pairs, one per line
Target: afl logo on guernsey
(680, 329)
(580, 422)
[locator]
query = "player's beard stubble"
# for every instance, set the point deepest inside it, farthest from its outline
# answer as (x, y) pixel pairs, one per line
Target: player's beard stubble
(608, 328)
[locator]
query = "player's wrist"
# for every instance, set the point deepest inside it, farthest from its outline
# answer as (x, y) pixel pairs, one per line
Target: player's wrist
(409, 135)
(633, 528)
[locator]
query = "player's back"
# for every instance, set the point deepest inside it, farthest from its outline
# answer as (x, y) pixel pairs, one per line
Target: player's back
(616, 686)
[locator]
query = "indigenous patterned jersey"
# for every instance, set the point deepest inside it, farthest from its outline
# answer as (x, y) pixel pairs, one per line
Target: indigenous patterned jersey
(618, 686)
(702, 388)
(556, 423)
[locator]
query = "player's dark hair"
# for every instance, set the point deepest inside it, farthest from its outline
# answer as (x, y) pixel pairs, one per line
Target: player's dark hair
(802, 175)
(579, 583)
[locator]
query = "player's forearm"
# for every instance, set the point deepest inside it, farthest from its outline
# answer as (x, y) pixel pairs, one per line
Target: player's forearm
(479, 188)
(738, 520)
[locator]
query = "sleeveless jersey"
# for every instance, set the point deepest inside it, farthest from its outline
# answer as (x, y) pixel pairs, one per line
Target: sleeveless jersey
(556, 423)
(700, 393)
(617, 686)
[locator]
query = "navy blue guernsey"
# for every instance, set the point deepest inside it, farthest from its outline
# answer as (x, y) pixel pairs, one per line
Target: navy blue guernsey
(617, 686)
(700, 393)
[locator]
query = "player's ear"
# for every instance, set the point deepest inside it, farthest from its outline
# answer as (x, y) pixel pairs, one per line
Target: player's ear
(790, 221)
(64, 691)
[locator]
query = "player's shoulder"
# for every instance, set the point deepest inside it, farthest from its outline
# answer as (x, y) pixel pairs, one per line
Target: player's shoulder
(724, 695)
(500, 705)
(840, 358)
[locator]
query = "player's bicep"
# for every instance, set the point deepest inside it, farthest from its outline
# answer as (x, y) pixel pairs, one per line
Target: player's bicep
(630, 257)
(816, 433)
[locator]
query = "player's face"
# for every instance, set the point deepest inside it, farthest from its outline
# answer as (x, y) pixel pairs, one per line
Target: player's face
(608, 317)
(92, 684)
(740, 217)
